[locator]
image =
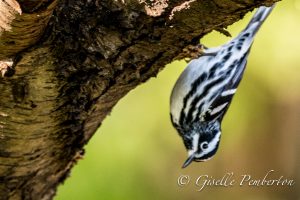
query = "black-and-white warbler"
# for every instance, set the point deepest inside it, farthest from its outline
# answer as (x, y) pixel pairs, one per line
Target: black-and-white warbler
(203, 92)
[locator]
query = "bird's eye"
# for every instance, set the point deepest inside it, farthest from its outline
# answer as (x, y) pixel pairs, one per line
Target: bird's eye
(204, 145)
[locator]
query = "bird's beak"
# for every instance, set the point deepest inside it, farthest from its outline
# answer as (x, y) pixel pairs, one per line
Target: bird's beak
(188, 160)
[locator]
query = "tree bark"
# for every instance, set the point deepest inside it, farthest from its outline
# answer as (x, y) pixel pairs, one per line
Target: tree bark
(71, 61)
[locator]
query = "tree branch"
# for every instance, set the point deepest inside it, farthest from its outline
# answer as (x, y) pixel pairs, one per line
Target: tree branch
(67, 79)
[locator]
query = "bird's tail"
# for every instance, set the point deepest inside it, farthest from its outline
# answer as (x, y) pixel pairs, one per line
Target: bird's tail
(258, 18)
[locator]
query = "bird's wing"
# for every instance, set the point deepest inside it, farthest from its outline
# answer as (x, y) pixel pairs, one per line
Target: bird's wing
(220, 104)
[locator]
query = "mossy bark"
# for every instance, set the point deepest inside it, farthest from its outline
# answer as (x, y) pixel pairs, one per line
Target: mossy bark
(73, 61)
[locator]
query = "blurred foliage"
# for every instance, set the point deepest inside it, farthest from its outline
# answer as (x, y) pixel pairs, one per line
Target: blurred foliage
(137, 154)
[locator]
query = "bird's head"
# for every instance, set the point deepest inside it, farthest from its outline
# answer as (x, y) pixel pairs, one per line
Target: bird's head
(201, 141)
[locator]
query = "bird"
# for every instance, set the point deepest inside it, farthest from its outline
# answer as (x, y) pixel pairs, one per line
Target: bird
(203, 92)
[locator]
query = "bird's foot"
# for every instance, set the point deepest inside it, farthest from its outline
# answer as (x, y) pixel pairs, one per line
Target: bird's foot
(193, 52)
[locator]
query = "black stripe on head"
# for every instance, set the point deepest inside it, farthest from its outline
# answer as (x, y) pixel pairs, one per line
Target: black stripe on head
(209, 155)
(188, 143)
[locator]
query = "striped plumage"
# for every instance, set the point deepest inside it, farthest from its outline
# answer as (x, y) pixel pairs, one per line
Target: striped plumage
(203, 92)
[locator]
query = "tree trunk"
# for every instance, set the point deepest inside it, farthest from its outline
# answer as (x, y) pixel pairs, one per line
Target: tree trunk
(65, 65)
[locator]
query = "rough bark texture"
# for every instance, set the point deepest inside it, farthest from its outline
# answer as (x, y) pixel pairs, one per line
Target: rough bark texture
(73, 60)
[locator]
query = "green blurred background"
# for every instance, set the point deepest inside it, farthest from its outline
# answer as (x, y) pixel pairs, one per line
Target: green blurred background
(137, 154)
